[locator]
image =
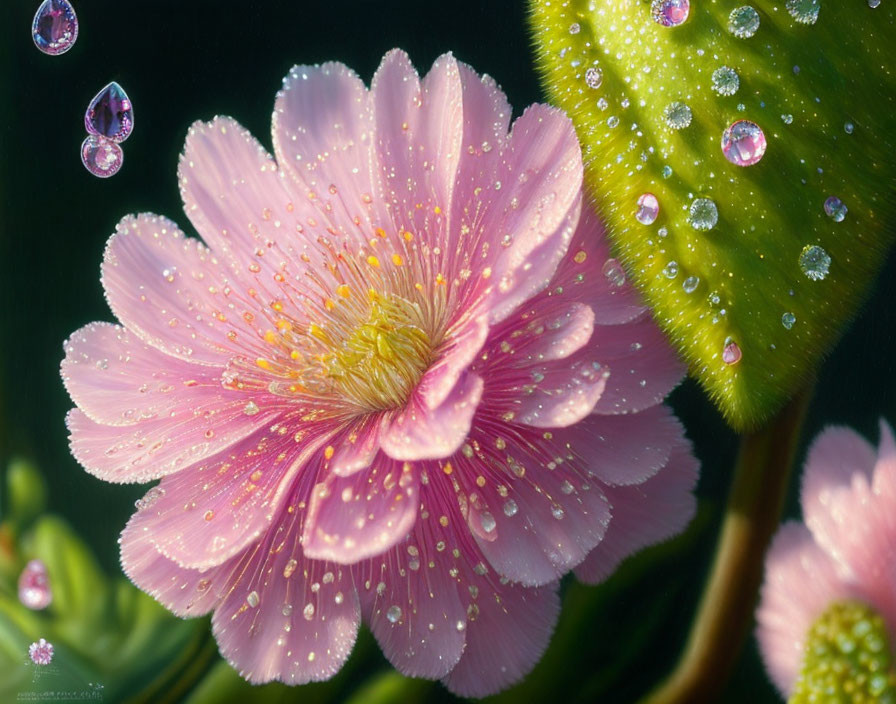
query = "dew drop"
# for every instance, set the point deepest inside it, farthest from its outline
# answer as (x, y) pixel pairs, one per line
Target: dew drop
(393, 613)
(308, 611)
(100, 156)
(804, 11)
(848, 128)
(835, 209)
(612, 121)
(558, 513)
(662, 232)
(252, 599)
(593, 77)
(787, 320)
(110, 114)
(614, 272)
(250, 409)
(648, 209)
(690, 284)
(743, 143)
(677, 115)
(575, 28)
(743, 22)
(873, 3)
(670, 271)
(725, 80)
(667, 171)
(703, 214)
(289, 568)
(787, 118)
(55, 27)
(488, 521)
(510, 508)
(731, 354)
(815, 262)
(670, 13)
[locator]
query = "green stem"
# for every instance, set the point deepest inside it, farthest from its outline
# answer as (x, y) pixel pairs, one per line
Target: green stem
(752, 515)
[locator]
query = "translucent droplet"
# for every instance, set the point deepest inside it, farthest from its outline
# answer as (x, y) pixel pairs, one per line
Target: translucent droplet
(575, 28)
(677, 115)
(725, 80)
(815, 262)
(252, 599)
(670, 271)
(667, 171)
(614, 272)
(393, 613)
(804, 11)
(34, 586)
(662, 232)
(251, 408)
(848, 128)
(731, 354)
(101, 157)
(873, 3)
(593, 77)
(670, 13)
(743, 22)
(787, 320)
(308, 611)
(510, 508)
(835, 209)
(648, 209)
(55, 27)
(110, 114)
(612, 121)
(703, 214)
(743, 143)
(690, 284)
(488, 521)
(787, 118)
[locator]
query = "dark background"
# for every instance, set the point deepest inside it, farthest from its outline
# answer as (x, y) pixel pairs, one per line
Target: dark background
(183, 61)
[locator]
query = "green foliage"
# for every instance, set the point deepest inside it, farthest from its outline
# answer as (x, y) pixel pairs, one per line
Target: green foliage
(824, 95)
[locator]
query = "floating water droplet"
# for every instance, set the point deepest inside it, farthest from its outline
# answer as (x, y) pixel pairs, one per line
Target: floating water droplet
(648, 209)
(743, 143)
(690, 284)
(55, 27)
(848, 128)
(575, 28)
(835, 209)
(677, 115)
(101, 157)
(110, 114)
(743, 22)
(731, 354)
(393, 613)
(614, 272)
(725, 80)
(593, 77)
(804, 11)
(667, 171)
(510, 508)
(612, 121)
(703, 214)
(787, 118)
(41, 652)
(815, 262)
(787, 320)
(670, 13)
(34, 586)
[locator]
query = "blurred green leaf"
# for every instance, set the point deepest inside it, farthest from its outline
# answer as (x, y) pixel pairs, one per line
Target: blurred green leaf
(26, 493)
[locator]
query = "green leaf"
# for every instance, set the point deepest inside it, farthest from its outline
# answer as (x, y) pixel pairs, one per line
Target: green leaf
(823, 95)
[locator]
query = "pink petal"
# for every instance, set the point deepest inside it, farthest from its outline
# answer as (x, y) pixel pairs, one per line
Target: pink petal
(154, 448)
(323, 138)
(511, 631)
(170, 290)
(185, 592)
(354, 518)
(419, 433)
(800, 583)
(357, 448)
(209, 513)
(645, 514)
(884, 477)
(117, 379)
(464, 344)
(286, 617)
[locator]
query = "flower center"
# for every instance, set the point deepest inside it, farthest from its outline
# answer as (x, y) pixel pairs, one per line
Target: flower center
(847, 658)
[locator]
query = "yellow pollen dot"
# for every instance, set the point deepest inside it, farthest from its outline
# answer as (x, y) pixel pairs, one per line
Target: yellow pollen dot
(407, 236)
(221, 317)
(284, 325)
(295, 354)
(437, 210)
(373, 241)
(580, 257)
(263, 363)
(380, 232)
(372, 294)
(404, 126)
(440, 280)
(277, 306)
(418, 286)
(270, 337)
(397, 260)
(480, 481)
(487, 272)
(343, 290)
(447, 468)
(329, 304)
(328, 453)
(373, 261)
(318, 332)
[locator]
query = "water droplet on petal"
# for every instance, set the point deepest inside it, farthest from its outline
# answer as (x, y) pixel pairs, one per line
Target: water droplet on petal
(101, 157)
(690, 284)
(670, 13)
(677, 115)
(252, 599)
(743, 22)
(873, 3)
(612, 121)
(510, 508)
(593, 77)
(667, 171)
(787, 320)
(848, 128)
(393, 613)
(731, 354)
(308, 611)
(725, 80)
(251, 408)
(804, 11)
(55, 27)
(41, 652)
(110, 114)
(835, 209)
(648, 209)
(488, 521)
(34, 586)
(670, 271)
(575, 28)
(787, 118)
(703, 214)
(815, 262)
(614, 272)
(743, 143)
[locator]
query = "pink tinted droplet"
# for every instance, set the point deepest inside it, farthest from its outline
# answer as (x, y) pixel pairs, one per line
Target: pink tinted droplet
(670, 13)
(743, 143)
(648, 209)
(55, 27)
(110, 114)
(41, 652)
(101, 157)
(34, 586)
(731, 354)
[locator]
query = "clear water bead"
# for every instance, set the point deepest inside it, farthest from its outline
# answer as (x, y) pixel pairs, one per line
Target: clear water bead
(110, 114)
(393, 613)
(593, 77)
(743, 22)
(690, 284)
(703, 214)
(725, 80)
(787, 320)
(575, 28)
(55, 27)
(670, 13)
(670, 271)
(677, 115)
(815, 262)
(648, 209)
(743, 143)
(667, 171)
(835, 209)
(873, 3)
(100, 156)
(787, 118)
(804, 11)
(848, 128)
(731, 353)
(612, 121)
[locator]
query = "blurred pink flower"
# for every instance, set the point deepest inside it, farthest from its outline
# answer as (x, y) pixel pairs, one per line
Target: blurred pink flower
(404, 383)
(41, 652)
(845, 552)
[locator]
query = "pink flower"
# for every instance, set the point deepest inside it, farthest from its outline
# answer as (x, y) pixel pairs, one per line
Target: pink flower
(396, 386)
(845, 552)
(41, 652)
